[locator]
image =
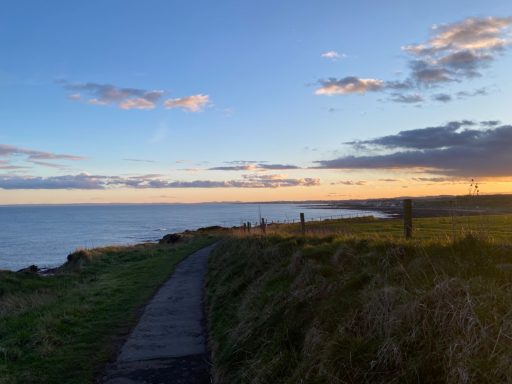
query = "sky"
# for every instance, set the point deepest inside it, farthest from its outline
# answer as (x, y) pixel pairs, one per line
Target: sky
(169, 101)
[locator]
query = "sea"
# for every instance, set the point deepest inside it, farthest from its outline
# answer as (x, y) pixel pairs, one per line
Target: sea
(44, 235)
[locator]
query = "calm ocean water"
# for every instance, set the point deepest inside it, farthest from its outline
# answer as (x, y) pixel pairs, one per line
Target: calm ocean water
(45, 235)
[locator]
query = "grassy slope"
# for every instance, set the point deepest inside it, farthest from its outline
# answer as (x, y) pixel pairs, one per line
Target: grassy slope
(60, 329)
(368, 307)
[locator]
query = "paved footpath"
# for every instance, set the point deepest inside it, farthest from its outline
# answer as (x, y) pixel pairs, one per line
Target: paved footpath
(168, 345)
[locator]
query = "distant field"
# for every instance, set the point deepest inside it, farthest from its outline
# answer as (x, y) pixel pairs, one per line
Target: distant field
(497, 227)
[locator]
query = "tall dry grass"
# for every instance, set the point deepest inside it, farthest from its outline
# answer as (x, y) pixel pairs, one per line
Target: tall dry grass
(356, 309)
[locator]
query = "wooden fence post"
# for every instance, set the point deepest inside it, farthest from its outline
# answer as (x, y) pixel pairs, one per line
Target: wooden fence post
(249, 226)
(302, 224)
(408, 218)
(263, 226)
(245, 227)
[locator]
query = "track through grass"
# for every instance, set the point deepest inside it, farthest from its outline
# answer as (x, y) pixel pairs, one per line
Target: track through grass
(62, 328)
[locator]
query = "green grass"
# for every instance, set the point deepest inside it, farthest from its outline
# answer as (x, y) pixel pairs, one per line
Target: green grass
(63, 328)
(364, 305)
(437, 228)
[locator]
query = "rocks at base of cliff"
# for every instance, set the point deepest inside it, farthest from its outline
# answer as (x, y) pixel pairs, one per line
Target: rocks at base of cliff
(212, 228)
(77, 260)
(171, 238)
(81, 254)
(31, 269)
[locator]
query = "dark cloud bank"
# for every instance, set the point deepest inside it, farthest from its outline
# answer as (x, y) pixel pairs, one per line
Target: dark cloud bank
(456, 149)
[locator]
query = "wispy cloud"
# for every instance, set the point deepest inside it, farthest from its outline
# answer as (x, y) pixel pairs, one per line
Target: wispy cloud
(436, 179)
(32, 154)
(349, 182)
(80, 181)
(47, 164)
(335, 194)
(460, 148)
(74, 96)
(446, 97)
(442, 97)
(6, 165)
(412, 98)
(130, 98)
(476, 92)
(160, 134)
(10, 156)
(139, 160)
(254, 181)
(333, 55)
(454, 53)
(151, 181)
(137, 103)
(193, 103)
(349, 84)
(254, 167)
(106, 94)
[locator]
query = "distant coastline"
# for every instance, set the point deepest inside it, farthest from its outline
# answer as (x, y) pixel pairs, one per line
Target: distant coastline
(373, 202)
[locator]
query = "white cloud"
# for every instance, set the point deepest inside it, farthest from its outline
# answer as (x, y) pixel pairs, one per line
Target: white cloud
(96, 102)
(137, 103)
(74, 96)
(472, 34)
(454, 53)
(130, 98)
(105, 94)
(333, 55)
(194, 103)
(350, 84)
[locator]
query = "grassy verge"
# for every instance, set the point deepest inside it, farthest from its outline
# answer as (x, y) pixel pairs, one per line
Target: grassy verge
(62, 328)
(366, 307)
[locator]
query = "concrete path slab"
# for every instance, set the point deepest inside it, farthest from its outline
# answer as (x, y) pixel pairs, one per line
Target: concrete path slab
(168, 345)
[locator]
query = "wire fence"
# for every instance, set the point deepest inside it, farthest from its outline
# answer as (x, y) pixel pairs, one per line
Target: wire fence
(314, 218)
(449, 224)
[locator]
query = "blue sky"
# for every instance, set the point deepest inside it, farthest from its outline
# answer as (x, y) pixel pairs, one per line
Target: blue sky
(242, 82)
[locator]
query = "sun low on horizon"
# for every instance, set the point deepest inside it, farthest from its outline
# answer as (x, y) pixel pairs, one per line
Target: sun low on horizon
(200, 101)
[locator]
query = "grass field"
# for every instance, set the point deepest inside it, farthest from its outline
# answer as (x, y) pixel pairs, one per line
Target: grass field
(497, 227)
(63, 328)
(353, 302)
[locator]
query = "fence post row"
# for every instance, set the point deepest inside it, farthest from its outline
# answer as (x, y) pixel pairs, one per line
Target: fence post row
(302, 224)
(408, 218)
